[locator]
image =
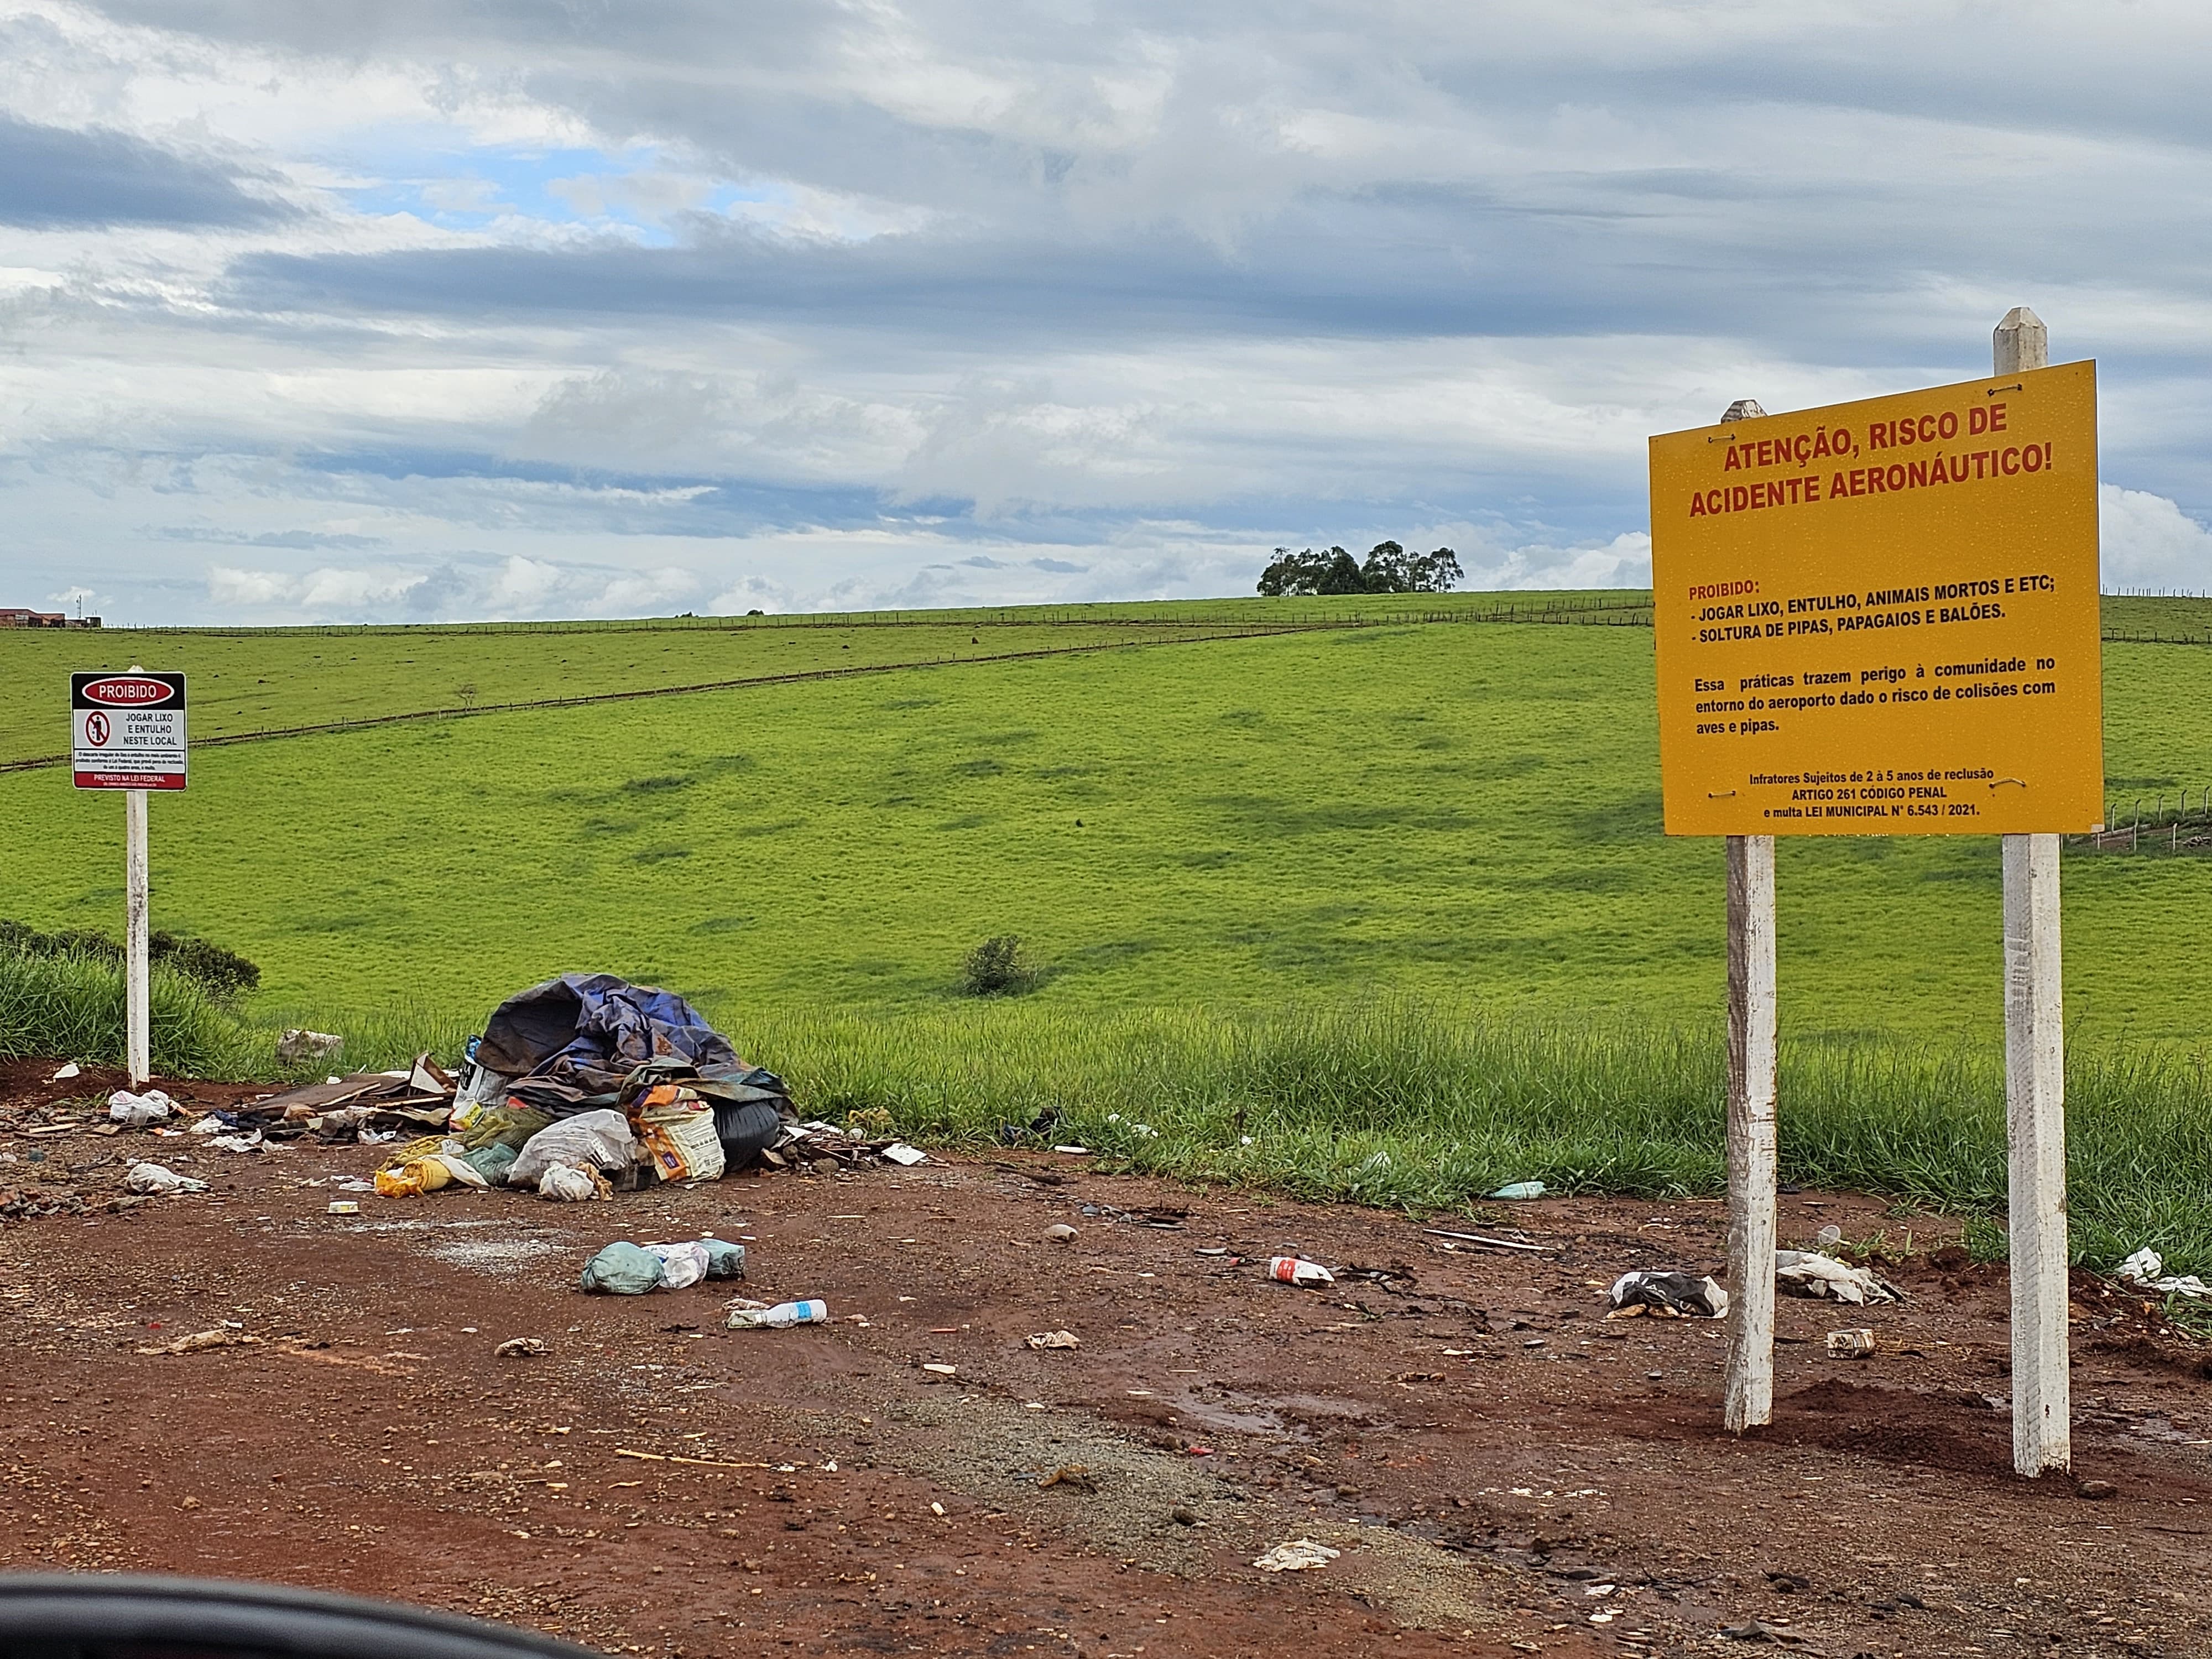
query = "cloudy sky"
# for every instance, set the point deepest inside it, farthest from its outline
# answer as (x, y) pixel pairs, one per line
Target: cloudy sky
(316, 309)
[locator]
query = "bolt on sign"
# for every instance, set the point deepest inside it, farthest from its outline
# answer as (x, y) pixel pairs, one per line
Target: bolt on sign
(1881, 617)
(127, 730)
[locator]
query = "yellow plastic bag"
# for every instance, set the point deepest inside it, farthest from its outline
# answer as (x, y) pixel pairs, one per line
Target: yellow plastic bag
(424, 1175)
(399, 1184)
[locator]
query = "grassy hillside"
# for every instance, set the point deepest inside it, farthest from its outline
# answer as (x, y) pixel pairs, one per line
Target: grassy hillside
(1460, 812)
(245, 681)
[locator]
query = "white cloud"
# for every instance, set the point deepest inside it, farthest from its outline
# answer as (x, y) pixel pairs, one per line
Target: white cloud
(941, 301)
(325, 593)
(2150, 543)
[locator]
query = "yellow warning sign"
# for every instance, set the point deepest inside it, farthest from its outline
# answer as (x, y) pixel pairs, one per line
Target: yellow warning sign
(1879, 618)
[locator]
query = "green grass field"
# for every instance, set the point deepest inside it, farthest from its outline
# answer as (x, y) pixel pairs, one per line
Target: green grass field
(245, 681)
(1459, 811)
(1212, 844)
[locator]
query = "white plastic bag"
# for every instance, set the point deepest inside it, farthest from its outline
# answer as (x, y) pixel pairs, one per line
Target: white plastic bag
(158, 1182)
(450, 1153)
(1299, 1555)
(1808, 1273)
(2146, 1269)
(681, 1265)
(600, 1138)
(568, 1183)
(136, 1111)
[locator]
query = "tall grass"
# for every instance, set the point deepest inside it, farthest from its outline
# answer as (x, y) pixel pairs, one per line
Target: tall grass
(1423, 1108)
(375, 1039)
(72, 1006)
(1408, 1104)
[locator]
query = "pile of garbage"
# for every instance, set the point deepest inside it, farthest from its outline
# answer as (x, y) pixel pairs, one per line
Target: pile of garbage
(579, 1088)
(588, 1084)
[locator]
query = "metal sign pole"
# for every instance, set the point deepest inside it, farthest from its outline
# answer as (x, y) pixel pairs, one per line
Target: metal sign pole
(127, 731)
(2035, 1090)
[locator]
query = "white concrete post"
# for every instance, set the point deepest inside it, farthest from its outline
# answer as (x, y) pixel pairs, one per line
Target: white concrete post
(2035, 1090)
(138, 1044)
(1749, 1397)
(137, 1028)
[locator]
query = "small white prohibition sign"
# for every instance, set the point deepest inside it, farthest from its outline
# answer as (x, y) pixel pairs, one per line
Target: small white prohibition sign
(95, 729)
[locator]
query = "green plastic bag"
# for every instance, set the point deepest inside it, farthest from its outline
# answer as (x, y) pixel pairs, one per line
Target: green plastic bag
(724, 1259)
(622, 1269)
(491, 1162)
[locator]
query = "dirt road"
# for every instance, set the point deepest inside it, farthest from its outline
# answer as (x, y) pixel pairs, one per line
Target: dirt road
(1501, 1469)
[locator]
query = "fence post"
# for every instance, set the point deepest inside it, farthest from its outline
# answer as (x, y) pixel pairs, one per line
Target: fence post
(1749, 1400)
(2035, 1089)
(138, 1048)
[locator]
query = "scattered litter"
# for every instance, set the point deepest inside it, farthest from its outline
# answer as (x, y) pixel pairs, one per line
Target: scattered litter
(251, 1143)
(136, 1111)
(1494, 1243)
(1808, 1273)
(675, 1128)
(1059, 1232)
(66, 1073)
(570, 1184)
(1055, 1340)
(938, 1369)
(1850, 1345)
(1678, 1295)
(781, 1316)
(1070, 1474)
(1294, 1270)
(2096, 1491)
(344, 1207)
(459, 1166)
(626, 1269)
(681, 1265)
(1300, 1555)
(1518, 1189)
(520, 1347)
(899, 1152)
(1829, 1236)
(158, 1181)
(2146, 1268)
(1073, 1151)
(724, 1259)
(491, 1161)
(413, 1178)
(598, 1139)
(297, 1046)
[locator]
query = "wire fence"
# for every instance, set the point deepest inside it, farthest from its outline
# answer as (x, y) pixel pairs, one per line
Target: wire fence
(2154, 822)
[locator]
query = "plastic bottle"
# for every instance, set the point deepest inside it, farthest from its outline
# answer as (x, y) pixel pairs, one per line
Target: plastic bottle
(784, 1314)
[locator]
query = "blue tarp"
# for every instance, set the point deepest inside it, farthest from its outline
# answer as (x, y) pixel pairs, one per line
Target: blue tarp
(571, 1043)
